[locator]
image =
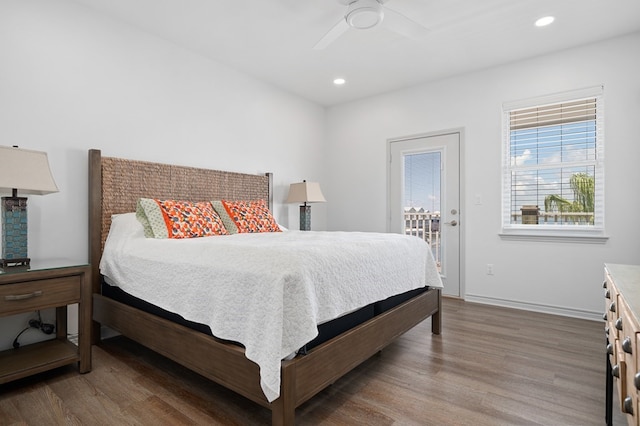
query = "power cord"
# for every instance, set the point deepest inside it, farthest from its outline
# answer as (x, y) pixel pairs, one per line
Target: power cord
(35, 323)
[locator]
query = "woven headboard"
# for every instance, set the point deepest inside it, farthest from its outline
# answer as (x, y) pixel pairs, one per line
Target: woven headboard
(115, 184)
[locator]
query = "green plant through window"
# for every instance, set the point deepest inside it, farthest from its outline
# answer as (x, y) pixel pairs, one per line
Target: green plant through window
(583, 186)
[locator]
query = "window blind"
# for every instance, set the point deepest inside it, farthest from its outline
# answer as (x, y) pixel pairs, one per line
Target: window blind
(550, 115)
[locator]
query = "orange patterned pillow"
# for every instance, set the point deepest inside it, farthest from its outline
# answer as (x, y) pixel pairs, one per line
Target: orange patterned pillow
(185, 219)
(246, 216)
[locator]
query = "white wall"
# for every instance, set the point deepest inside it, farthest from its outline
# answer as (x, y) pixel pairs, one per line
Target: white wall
(71, 80)
(554, 277)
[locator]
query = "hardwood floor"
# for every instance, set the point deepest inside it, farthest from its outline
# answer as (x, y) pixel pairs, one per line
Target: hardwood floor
(490, 366)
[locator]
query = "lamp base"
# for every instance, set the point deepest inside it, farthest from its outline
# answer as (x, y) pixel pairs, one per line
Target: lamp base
(14, 231)
(305, 218)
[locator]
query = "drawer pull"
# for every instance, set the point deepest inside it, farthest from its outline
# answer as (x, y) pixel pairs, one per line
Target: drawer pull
(619, 324)
(615, 370)
(14, 297)
(628, 405)
(604, 317)
(607, 294)
(626, 345)
(610, 350)
(636, 380)
(604, 284)
(612, 307)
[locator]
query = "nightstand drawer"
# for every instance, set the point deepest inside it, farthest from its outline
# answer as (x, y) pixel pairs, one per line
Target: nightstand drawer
(39, 294)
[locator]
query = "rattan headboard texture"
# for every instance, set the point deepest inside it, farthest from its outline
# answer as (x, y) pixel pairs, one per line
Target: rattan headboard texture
(115, 184)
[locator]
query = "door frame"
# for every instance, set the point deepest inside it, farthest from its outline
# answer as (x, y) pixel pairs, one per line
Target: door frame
(462, 207)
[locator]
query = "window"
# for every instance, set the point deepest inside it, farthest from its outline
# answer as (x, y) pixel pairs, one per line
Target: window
(553, 168)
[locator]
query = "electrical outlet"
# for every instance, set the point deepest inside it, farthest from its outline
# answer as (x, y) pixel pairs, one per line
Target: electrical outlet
(489, 268)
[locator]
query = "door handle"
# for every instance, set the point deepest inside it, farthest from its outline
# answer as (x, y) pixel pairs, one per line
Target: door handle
(452, 223)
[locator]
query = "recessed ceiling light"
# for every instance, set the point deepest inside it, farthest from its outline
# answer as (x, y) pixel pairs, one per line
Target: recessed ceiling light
(543, 22)
(339, 81)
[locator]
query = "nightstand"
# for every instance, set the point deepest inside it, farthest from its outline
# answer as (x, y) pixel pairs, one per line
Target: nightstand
(42, 285)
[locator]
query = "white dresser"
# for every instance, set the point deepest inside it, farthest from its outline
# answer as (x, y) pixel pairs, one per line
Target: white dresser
(622, 294)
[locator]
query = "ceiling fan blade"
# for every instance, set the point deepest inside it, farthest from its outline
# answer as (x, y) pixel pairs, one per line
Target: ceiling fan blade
(403, 25)
(332, 35)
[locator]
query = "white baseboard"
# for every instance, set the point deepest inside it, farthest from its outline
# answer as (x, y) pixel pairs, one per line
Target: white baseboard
(535, 307)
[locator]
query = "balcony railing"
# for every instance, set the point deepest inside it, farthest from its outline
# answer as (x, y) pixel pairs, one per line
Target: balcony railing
(554, 218)
(425, 225)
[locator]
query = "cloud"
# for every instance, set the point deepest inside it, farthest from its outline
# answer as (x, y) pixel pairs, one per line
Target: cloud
(521, 159)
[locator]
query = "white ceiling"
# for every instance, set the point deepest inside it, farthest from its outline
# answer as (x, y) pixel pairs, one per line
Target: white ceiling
(273, 40)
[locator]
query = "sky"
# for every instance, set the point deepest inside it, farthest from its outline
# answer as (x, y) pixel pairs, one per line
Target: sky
(422, 181)
(535, 161)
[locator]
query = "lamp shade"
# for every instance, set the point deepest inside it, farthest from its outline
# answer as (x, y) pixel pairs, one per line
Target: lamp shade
(25, 170)
(305, 192)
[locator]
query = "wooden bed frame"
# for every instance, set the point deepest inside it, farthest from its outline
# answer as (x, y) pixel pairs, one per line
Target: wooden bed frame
(115, 185)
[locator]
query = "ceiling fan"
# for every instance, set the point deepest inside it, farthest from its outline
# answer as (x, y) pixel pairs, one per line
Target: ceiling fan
(365, 14)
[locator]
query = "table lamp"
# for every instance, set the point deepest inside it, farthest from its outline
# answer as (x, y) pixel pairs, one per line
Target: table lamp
(305, 192)
(29, 172)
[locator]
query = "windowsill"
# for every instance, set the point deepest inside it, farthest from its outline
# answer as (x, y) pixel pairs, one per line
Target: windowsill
(553, 235)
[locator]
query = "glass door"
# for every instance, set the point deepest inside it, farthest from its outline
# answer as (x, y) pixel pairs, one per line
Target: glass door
(424, 198)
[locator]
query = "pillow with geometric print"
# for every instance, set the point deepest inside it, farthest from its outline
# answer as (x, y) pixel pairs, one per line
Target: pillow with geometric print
(246, 216)
(178, 219)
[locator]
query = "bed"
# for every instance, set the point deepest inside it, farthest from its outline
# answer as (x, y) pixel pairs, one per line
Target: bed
(115, 185)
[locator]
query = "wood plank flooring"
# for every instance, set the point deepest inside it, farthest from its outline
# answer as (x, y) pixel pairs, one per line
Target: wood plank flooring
(490, 366)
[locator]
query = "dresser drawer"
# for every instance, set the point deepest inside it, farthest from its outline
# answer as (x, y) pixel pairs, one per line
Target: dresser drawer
(39, 294)
(612, 310)
(620, 376)
(634, 385)
(628, 339)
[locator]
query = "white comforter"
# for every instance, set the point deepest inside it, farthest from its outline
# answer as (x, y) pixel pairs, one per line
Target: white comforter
(267, 291)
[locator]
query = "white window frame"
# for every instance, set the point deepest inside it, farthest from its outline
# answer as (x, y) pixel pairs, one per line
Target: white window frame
(573, 233)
